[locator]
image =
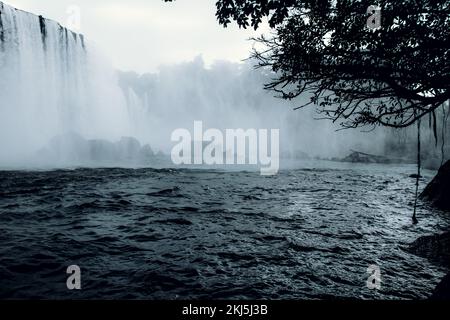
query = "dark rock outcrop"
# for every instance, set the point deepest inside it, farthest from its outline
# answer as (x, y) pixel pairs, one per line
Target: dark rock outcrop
(435, 248)
(437, 192)
(442, 290)
(362, 157)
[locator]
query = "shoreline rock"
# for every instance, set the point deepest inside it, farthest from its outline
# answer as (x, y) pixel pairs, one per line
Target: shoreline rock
(435, 248)
(437, 192)
(442, 290)
(362, 157)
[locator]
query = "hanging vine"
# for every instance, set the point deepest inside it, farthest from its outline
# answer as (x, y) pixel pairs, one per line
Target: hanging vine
(445, 114)
(414, 218)
(433, 124)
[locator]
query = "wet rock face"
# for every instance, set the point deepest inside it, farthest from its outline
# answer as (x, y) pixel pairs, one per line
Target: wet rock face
(435, 248)
(2, 36)
(442, 290)
(438, 190)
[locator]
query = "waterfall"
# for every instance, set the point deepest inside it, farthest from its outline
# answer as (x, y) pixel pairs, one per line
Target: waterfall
(53, 82)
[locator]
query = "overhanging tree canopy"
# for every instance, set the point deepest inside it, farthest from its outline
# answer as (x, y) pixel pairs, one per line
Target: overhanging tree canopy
(329, 51)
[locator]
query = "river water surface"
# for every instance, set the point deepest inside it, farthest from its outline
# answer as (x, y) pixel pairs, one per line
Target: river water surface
(306, 233)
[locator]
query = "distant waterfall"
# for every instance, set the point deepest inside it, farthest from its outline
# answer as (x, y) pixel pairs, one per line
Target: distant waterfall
(51, 83)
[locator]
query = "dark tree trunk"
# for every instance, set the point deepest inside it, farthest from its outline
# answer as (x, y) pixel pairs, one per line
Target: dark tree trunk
(437, 192)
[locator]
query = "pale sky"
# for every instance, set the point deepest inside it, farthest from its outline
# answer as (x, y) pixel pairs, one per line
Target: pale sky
(140, 35)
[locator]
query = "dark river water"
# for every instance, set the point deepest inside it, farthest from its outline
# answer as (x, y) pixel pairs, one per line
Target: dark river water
(305, 233)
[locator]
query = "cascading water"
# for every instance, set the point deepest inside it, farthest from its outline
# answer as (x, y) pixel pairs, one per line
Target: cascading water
(231, 95)
(52, 82)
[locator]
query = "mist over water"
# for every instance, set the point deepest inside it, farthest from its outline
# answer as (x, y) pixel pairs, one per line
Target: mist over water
(139, 228)
(52, 82)
(229, 95)
(55, 84)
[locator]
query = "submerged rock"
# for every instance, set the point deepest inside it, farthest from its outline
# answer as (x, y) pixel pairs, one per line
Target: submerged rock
(437, 192)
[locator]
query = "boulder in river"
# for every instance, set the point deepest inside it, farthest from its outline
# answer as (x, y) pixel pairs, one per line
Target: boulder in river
(442, 290)
(437, 192)
(362, 157)
(435, 248)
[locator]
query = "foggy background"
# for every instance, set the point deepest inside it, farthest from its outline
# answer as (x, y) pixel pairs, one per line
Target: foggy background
(146, 69)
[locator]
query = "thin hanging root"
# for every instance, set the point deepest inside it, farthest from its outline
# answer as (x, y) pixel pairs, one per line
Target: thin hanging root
(414, 218)
(445, 114)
